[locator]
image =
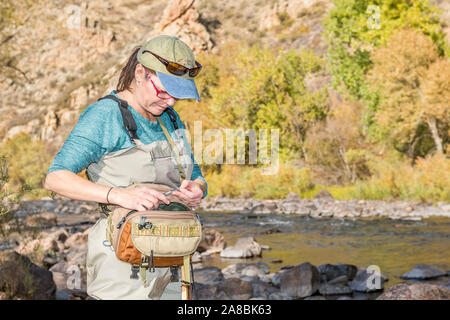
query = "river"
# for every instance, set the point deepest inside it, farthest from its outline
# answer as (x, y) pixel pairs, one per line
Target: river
(395, 246)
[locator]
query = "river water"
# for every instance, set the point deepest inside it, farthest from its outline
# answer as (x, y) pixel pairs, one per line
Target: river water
(395, 246)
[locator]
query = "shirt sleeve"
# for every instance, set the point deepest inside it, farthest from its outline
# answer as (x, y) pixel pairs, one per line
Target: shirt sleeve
(95, 134)
(196, 172)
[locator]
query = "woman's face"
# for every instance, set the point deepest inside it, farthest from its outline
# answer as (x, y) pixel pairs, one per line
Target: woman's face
(146, 94)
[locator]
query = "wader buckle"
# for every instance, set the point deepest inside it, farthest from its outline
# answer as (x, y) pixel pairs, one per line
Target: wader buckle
(187, 283)
(174, 274)
(134, 272)
(144, 262)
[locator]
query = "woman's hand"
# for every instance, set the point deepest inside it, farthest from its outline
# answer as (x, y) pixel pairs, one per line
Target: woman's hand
(191, 192)
(137, 197)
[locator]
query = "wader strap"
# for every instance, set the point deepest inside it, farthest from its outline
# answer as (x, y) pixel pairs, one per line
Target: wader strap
(127, 117)
(128, 120)
(174, 148)
(186, 283)
(172, 117)
(143, 274)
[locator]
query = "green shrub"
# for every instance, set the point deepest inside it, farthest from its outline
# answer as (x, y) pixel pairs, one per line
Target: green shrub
(244, 181)
(427, 180)
(27, 162)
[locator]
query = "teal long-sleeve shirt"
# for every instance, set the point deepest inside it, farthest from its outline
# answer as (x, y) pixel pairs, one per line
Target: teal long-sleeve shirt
(100, 130)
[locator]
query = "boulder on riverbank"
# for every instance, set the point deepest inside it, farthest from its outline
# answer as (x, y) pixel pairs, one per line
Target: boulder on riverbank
(22, 279)
(323, 205)
(416, 291)
(43, 219)
(324, 195)
(290, 283)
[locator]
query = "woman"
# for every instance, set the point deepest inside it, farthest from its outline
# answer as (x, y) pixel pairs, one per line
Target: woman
(122, 143)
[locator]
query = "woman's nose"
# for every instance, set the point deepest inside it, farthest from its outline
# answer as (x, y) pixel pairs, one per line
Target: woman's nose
(172, 101)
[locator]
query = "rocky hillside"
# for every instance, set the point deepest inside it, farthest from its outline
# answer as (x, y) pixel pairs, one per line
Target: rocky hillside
(62, 57)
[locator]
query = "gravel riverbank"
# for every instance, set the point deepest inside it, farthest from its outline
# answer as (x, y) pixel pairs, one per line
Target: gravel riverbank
(325, 206)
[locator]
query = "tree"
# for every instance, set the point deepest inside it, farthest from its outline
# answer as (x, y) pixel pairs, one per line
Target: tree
(265, 90)
(435, 97)
(355, 28)
(414, 83)
(336, 147)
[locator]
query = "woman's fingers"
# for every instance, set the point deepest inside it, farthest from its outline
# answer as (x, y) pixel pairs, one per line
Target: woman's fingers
(185, 184)
(191, 202)
(181, 195)
(191, 189)
(191, 195)
(157, 195)
(147, 203)
(141, 207)
(144, 198)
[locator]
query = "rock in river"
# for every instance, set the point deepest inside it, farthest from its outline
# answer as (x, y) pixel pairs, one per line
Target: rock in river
(329, 272)
(423, 272)
(301, 281)
(212, 241)
(208, 275)
(257, 269)
(365, 281)
(244, 248)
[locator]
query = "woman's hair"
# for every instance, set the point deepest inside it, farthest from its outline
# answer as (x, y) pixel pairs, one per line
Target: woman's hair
(127, 74)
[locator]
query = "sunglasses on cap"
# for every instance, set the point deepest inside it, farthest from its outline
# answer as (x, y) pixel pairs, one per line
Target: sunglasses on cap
(175, 68)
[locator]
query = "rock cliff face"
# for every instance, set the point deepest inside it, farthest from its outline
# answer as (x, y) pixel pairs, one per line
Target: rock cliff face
(65, 56)
(181, 19)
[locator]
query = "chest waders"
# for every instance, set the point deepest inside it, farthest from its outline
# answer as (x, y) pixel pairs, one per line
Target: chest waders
(107, 276)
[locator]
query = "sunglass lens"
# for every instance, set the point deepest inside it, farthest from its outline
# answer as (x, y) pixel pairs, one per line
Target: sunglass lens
(194, 72)
(176, 69)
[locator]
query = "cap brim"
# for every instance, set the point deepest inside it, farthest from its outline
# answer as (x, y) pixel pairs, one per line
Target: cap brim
(178, 87)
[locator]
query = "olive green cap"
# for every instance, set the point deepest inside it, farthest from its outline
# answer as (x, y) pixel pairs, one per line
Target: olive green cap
(170, 48)
(174, 50)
